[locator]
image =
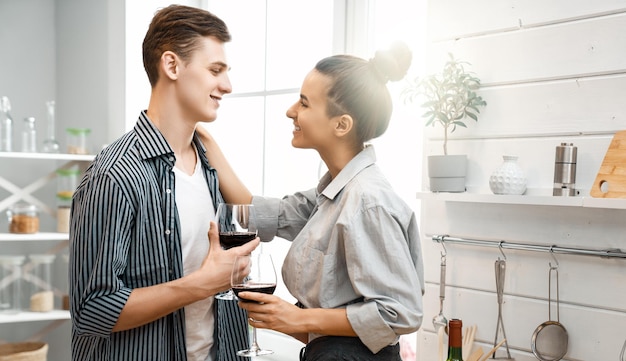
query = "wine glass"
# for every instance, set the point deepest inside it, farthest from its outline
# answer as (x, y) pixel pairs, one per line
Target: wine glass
(236, 224)
(253, 273)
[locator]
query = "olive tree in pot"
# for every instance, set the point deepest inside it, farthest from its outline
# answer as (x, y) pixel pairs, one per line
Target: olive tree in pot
(450, 98)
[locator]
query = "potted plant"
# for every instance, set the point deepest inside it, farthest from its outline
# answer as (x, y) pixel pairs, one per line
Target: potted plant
(450, 98)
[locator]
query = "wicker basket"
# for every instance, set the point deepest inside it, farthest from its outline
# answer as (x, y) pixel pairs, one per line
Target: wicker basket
(24, 351)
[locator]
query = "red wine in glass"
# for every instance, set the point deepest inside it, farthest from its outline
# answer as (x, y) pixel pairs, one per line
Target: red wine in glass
(267, 288)
(253, 273)
(236, 225)
(232, 239)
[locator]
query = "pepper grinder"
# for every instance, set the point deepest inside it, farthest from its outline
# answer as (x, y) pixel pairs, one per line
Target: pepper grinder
(565, 170)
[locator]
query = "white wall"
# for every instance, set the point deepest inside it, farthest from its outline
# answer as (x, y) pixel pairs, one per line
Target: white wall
(552, 72)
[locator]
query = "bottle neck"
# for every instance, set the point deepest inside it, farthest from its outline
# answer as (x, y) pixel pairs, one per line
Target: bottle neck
(455, 354)
(455, 341)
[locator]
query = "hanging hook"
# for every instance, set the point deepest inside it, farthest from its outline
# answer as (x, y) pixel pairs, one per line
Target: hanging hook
(554, 258)
(501, 251)
(444, 253)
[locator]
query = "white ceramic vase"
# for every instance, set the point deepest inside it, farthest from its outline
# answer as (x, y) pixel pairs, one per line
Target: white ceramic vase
(508, 178)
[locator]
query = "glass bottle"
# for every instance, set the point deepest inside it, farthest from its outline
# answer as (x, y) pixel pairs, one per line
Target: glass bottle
(6, 125)
(50, 144)
(41, 296)
(29, 136)
(455, 341)
(10, 283)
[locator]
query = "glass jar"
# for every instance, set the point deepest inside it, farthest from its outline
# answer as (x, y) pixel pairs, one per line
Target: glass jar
(41, 295)
(77, 140)
(10, 283)
(65, 304)
(23, 218)
(64, 204)
(67, 181)
(29, 136)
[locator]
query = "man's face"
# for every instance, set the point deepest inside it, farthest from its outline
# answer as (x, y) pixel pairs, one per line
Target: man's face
(203, 80)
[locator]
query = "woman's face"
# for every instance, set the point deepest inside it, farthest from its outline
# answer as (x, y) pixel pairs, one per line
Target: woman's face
(312, 127)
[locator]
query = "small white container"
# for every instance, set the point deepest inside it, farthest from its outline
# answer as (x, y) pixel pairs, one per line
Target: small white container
(508, 178)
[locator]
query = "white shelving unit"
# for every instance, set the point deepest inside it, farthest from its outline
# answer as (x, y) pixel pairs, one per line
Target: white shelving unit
(534, 198)
(58, 240)
(34, 316)
(40, 236)
(48, 156)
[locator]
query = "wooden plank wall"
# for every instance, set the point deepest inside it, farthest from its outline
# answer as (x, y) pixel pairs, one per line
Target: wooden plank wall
(552, 72)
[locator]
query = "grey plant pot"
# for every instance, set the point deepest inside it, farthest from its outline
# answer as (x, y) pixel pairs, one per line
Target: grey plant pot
(447, 172)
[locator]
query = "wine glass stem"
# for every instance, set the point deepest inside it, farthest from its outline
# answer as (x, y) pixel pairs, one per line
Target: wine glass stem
(254, 346)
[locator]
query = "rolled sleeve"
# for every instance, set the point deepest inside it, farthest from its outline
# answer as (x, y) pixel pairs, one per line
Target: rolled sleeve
(284, 217)
(266, 210)
(383, 272)
(98, 252)
(370, 326)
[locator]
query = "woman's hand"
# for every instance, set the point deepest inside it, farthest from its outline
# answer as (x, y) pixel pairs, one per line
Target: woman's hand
(273, 313)
(276, 314)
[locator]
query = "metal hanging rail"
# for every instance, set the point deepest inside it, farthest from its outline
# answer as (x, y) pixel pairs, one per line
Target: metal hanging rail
(604, 253)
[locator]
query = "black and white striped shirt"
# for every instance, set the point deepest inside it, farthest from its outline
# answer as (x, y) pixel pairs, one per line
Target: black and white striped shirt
(125, 234)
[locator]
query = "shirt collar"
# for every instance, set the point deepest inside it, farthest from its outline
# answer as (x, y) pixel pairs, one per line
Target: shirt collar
(331, 187)
(152, 144)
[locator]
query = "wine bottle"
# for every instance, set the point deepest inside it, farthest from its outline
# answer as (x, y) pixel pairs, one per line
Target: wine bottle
(455, 340)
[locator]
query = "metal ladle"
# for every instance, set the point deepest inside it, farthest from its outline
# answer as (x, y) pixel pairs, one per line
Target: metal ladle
(440, 320)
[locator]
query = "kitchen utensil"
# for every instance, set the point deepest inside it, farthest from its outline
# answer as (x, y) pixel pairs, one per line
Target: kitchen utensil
(565, 170)
(493, 350)
(475, 356)
(549, 341)
(610, 181)
(468, 340)
(440, 332)
(500, 268)
(440, 321)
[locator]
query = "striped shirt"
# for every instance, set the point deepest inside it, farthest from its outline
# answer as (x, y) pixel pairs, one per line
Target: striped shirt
(125, 234)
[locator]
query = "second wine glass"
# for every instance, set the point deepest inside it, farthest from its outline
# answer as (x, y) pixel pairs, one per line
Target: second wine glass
(237, 225)
(254, 273)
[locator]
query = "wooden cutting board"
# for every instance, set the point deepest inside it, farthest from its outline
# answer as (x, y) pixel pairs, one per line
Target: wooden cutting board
(611, 179)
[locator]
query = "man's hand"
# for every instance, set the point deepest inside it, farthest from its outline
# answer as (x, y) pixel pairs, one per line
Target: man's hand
(218, 264)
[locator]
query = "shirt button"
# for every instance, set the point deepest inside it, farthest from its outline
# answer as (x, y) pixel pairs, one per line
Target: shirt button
(168, 191)
(171, 159)
(167, 231)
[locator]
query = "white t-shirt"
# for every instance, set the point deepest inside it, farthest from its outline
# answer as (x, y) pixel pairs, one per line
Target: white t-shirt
(195, 210)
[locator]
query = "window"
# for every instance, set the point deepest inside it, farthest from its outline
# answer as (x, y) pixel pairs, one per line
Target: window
(275, 44)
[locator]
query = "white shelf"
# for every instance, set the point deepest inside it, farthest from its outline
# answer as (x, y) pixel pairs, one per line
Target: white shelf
(35, 316)
(47, 156)
(533, 198)
(40, 236)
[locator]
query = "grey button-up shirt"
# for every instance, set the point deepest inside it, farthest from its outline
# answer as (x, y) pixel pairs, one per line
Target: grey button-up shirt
(355, 246)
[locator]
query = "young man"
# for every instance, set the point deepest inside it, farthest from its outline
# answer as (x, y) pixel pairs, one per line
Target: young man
(142, 270)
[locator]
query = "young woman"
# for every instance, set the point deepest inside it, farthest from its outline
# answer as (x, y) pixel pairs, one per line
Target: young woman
(355, 263)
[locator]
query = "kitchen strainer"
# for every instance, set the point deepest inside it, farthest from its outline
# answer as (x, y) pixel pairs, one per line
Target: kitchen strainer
(549, 341)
